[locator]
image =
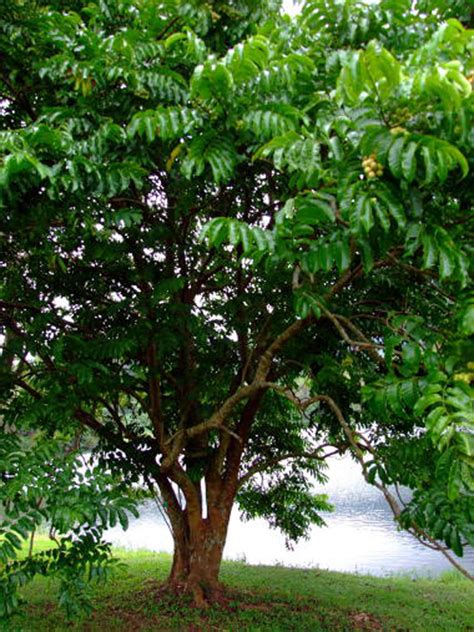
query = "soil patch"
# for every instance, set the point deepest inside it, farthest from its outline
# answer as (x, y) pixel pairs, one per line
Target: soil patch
(365, 621)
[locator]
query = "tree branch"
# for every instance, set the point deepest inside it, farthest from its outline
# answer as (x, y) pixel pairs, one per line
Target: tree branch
(156, 410)
(264, 464)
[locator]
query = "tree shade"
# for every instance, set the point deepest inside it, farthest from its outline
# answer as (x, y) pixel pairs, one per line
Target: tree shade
(233, 245)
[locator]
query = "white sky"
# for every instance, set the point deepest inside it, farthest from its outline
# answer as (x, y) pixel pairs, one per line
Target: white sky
(290, 7)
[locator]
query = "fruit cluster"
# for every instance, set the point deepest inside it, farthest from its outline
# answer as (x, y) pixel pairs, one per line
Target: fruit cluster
(397, 130)
(401, 115)
(466, 376)
(372, 168)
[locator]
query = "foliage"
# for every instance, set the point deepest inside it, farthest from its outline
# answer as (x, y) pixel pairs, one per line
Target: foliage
(233, 243)
(77, 498)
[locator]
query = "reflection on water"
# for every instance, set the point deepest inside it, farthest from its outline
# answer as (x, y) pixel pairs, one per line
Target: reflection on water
(360, 537)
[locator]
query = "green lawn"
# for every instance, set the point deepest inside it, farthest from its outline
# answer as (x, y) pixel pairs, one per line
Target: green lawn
(261, 598)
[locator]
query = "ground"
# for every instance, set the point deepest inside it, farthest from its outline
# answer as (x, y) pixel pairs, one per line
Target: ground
(259, 598)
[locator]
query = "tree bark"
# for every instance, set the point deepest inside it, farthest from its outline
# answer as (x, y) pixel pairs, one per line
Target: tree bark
(198, 549)
(199, 542)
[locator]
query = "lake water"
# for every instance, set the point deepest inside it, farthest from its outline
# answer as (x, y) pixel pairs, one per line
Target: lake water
(360, 535)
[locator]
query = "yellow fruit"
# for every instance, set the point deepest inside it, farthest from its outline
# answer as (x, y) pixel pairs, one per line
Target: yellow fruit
(372, 168)
(464, 377)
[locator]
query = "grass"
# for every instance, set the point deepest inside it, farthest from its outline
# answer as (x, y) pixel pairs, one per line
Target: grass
(260, 598)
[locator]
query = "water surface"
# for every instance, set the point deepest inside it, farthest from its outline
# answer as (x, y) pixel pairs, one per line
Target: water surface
(360, 536)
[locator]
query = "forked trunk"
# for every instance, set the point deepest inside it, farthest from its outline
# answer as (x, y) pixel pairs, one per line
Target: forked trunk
(198, 541)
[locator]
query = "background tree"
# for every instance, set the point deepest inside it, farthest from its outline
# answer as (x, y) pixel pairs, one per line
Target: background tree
(232, 244)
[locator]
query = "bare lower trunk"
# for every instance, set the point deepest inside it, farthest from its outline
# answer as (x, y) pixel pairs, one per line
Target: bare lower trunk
(199, 542)
(197, 559)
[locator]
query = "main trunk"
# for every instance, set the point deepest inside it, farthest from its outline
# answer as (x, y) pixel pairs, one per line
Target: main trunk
(198, 541)
(198, 548)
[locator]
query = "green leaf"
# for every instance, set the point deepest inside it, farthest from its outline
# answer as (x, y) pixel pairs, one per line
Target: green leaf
(367, 256)
(411, 355)
(364, 213)
(314, 210)
(325, 257)
(394, 206)
(341, 254)
(430, 250)
(454, 540)
(381, 216)
(447, 262)
(442, 165)
(467, 318)
(395, 156)
(427, 401)
(409, 161)
(123, 518)
(430, 166)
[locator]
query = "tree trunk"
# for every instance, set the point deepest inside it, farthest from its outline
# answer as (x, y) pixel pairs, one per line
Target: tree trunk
(199, 542)
(197, 557)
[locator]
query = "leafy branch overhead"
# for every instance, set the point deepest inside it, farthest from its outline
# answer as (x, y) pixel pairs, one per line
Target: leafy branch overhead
(234, 244)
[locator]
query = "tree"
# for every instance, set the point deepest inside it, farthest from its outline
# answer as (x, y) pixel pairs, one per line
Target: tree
(233, 244)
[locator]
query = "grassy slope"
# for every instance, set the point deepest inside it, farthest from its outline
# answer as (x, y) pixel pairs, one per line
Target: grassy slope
(262, 598)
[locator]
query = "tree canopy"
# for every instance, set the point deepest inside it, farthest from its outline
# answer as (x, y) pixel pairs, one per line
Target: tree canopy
(233, 245)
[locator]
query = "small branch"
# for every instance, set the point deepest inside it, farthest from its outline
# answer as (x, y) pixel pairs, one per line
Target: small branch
(169, 26)
(264, 464)
(120, 202)
(353, 343)
(32, 542)
(116, 417)
(29, 389)
(419, 533)
(345, 279)
(137, 397)
(159, 504)
(259, 341)
(218, 419)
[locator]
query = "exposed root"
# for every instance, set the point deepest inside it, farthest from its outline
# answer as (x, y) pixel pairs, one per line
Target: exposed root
(202, 594)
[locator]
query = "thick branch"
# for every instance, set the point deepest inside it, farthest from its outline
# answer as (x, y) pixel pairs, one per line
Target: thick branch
(266, 359)
(156, 412)
(215, 421)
